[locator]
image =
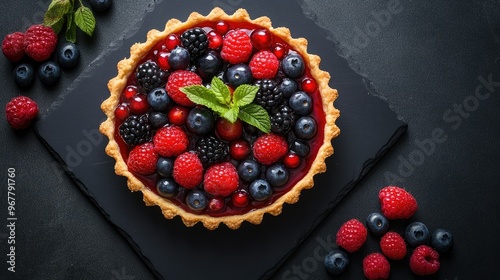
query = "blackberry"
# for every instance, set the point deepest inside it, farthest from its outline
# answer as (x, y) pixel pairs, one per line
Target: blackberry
(136, 130)
(269, 95)
(211, 150)
(195, 40)
(282, 120)
(149, 75)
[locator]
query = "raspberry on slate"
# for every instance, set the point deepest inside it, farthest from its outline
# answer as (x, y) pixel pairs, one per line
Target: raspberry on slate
(393, 246)
(221, 179)
(188, 170)
(13, 46)
(351, 235)
(264, 65)
(21, 111)
(236, 47)
(178, 80)
(424, 260)
(170, 141)
(142, 159)
(397, 203)
(40, 41)
(269, 148)
(376, 266)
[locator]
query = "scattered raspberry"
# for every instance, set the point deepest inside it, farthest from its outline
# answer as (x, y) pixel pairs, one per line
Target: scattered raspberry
(351, 235)
(424, 260)
(236, 47)
(264, 65)
(20, 111)
(376, 266)
(221, 179)
(142, 159)
(188, 170)
(13, 46)
(40, 41)
(179, 79)
(170, 141)
(393, 246)
(397, 203)
(269, 148)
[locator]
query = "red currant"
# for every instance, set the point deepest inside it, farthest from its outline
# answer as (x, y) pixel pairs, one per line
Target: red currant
(216, 204)
(261, 39)
(222, 27)
(239, 149)
(139, 104)
(291, 160)
(172, 41)
(130, 92)
(229, 131)
(309, 85)
(280, 51)
(160, 46)
(162, 60)
(177, 115)
(214, 40)
(122, 112)
(240, 198)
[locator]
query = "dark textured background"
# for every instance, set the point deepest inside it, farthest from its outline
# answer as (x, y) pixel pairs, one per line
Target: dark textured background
(424, 58)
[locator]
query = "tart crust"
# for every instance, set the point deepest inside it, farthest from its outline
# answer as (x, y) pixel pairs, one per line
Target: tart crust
(127, 66)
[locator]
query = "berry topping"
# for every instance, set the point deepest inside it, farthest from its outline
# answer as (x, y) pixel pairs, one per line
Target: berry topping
(162, 59)
(280, 51)
(277, 175)
(336, 262)
(424, 261)
(441, 240)
(239, 149)
(240, 198)
(221, 179)
(195, 40)
(305, 128)
(68, 55)
(261, 39)
(149, 75)
(142, 159)
(139, 104)
(264, 65)
(135, 130)
(397, 203)
(214, 40)
(376, 267)
(291, 160)
(351, 235)
(211, 150)
(216, 204)
(288, 87)
(248, 170)
(377, 224)
(196, 200)
(170, 141)
(178, 115)
(282, 120)
(293, 66)
(167, 187)
(393, 246)
(13, 46)
(236, 46)
(122, 112)
(269, 95)
(178, 80)
(300, 148)
(260, 190)
(301, 103)
(222, 27)
(130, 92)
(209, 64)
(229, 131)
(165, 166)
(172, 41)
(200, 121)
(188, 170)
(21, 111)
(49, 73)
(40, 41)
(24, 75)
(416, 234)
(158, 119)
(179, 58)
(269, 148)
(309, 85)
(158, 99)
(239, 74)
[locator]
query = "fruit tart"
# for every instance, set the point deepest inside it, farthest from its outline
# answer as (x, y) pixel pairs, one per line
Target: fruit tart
(220, 119)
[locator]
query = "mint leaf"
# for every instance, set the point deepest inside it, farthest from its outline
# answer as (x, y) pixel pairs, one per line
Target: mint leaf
(58, 25)
(244, 95)
(232, 114)
(220, 90)
(70, 29)
(203, 96)
(255, 115)
(56, 12)
(85, 20)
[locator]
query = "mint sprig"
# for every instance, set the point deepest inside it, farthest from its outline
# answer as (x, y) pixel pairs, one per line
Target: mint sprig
(62, 12)
(231, 107)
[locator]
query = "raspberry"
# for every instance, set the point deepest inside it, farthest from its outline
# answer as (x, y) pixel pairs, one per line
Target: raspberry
(40, 41)
(376, 266)
(170, 141)
(397, 203)
(269, 148)
(13, 46)
(221, 179)
(188, 170)
(142, 159)
(351, 235)
(424, 260)
(178, 80)
(393, 246)
(236, 47)
(264, 65)
(20, 111)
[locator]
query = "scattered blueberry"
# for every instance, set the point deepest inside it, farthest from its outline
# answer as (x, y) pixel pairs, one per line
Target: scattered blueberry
(277, 175)
(200, 120)
(209, 64)
(158, 99)
(248, 170)
(293, 66)
(179, 58)
(100, 5)
(441, 240)
(288, 87)
(24, 75)
(305, 128)
(377, 224)
(158, 119)
(301, 103)
(49, 73)
(196, 200)
(239, 74)
(165, 166)
(417, 234)
(260, 190)
(68, 55)
(301, 148)
(336, 262)
(167, 187)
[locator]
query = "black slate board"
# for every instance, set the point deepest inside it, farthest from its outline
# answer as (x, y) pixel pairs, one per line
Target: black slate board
(172, 251)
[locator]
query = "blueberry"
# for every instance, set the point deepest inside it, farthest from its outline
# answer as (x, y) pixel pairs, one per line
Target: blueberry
(288, 87)
(158, 119)
(209, 64)
(239, 74)
(179, 58)
(336, 262)
(441, 240)
(100, 5)
(167, 187)
(165, 166)
(377, 224)
(248, 170)
(158, 99)
(49, 73)
(293, 66)
(305, 128)
(68, 55)
(417, 234)
(260, 190)
(196, 200)
(301, 103)
(24, 75)
(200, 121)
(300, 147)
(277, 175)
